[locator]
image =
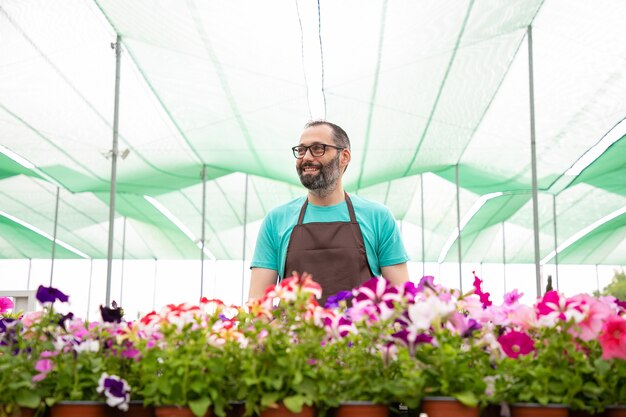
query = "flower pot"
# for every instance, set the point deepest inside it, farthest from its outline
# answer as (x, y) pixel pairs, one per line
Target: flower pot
(174, 411)
(361, 409)
(447, 407)
(23, 412)
(616, 411)
(538, 410)
(81, 409)
(282, 411)
(136, 409)
(236, 409)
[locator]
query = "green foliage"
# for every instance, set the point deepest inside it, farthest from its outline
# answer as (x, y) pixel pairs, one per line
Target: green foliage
(184, 370)
(455, 367)
(280, 364)
(617, 287)
(562, 370)
(362, 367)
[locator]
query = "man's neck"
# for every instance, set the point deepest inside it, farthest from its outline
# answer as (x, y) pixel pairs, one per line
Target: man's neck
(331, 198)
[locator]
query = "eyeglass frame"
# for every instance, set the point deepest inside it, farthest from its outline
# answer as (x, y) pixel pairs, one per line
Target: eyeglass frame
(308, 149)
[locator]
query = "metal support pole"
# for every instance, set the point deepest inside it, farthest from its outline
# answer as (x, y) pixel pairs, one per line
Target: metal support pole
(556, 254)
(123, 259)
(597, 279)
(89, 290)
(458, 225)
(114, 152)
(154, 285)
(30, 267)
(533, 155)
(203, 239)
(54, 235)
(422, 215)
(243, 255)
(214, 279)
(504, 257)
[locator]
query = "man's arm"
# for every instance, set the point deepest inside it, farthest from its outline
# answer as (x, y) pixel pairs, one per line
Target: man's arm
(395, 274)
(260, 279)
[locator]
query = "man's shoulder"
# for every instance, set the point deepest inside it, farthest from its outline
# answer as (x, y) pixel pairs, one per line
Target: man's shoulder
(287, 209)
(367, 205)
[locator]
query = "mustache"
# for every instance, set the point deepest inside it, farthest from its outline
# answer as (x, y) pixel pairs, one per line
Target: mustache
(310, 164)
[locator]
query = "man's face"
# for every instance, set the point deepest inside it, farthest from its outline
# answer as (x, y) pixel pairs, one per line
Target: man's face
(322, 172)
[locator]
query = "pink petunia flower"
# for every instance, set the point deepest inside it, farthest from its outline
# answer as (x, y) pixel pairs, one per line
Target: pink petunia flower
(613, 338)
(594, 314)
(516, 343)
(512, 297)
(44, 367)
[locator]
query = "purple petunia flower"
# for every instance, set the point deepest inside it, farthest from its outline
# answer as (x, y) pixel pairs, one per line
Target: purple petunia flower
(50, 295)
(115, 389)
(411, 339)
(111, 314)
(334, 300)
(426, 281)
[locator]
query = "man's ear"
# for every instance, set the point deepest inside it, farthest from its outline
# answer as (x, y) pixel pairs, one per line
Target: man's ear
(345, 158)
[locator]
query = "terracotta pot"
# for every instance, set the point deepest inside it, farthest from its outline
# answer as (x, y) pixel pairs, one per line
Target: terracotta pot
(447, 407)
(136, 409)
(173, 411)
(538, 410)
(235, 410)
(361, 409)
(81, 409)
(282, 411)
(24, 412)
(616, 411)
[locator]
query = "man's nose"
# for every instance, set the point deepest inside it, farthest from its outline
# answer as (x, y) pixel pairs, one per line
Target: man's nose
(308, 155)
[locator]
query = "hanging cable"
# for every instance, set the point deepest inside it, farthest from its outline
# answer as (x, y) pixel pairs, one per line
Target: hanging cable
(319, 32)
(306, 82)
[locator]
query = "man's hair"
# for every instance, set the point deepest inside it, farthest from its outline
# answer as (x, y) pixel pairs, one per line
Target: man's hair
(340, 137)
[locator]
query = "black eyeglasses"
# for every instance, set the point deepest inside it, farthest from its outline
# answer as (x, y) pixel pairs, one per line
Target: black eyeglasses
(319, 149)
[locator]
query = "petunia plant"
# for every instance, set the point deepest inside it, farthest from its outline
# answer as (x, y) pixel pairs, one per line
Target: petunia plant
(440, 334)
(361, 359)
(552, 355)
(280, 362)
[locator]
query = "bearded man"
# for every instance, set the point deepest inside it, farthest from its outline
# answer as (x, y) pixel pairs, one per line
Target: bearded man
(341, 240)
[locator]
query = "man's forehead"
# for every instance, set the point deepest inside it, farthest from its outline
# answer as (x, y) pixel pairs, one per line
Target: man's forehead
(322, 134)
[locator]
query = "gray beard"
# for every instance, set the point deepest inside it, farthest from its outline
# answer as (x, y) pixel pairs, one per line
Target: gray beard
(325, 182)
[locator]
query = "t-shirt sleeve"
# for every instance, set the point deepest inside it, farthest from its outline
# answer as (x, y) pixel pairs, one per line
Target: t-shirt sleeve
(266, 250)
(391, 250)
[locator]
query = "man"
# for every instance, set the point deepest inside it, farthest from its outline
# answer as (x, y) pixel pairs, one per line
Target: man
(341, 240)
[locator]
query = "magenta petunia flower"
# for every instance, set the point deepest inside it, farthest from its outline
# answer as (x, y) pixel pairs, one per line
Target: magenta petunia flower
(516, 343)
(484, 296)
(5, 304)
(613, 338)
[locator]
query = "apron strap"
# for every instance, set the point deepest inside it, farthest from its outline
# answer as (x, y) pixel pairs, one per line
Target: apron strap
(350, 209)
(302, 210)
(348, 203)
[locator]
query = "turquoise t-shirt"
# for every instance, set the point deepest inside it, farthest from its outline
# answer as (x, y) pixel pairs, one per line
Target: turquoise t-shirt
(383, 243)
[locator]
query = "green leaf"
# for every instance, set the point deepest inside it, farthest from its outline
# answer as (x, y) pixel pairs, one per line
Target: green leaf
(28, 398)
(200, 406)
(269, 399)
(467, 398)
(294, 403)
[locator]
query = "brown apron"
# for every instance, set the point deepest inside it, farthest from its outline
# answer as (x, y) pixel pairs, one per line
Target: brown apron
(332, 252)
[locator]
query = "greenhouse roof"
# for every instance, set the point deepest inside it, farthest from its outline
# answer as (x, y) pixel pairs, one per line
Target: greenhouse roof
(427, 91)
